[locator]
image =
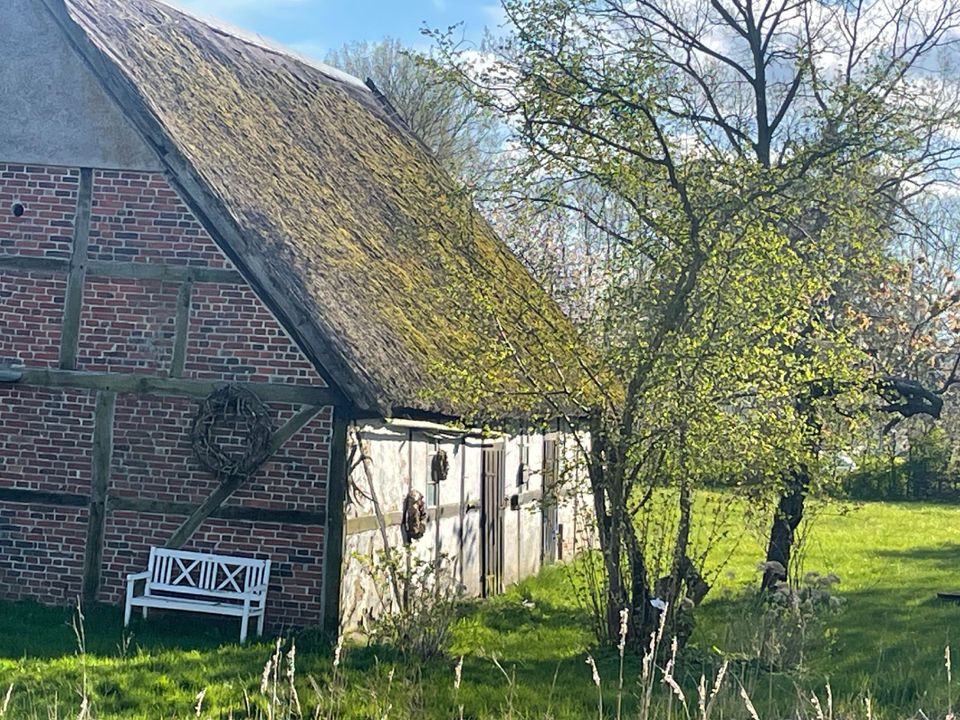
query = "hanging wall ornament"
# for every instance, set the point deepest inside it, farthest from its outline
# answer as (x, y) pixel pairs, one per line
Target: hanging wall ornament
(414, 520)
(231, 432)
(439, 467)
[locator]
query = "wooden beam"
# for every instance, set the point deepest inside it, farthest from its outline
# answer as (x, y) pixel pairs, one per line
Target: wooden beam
(155, 385)
(167, 273)
(30, 263)
(40, 497)
(333, 535)
(99, 481)
(227, 512)
(125, 270)
(114, 503)
(367, 523)
(182, 331)
(229, 486)
(73, 304)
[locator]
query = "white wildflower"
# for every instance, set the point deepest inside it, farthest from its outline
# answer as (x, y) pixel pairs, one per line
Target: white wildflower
(337, 651)
(593, 668)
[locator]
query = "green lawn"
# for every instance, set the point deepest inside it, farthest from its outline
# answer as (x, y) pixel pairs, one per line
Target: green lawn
(886, 640)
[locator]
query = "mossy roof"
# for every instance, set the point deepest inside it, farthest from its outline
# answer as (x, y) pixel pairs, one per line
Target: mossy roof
(347, 226)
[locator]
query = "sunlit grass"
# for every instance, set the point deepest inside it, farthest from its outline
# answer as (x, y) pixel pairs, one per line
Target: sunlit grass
(525, 652)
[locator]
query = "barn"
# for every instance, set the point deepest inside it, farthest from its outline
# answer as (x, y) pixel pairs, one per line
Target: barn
(234, 294)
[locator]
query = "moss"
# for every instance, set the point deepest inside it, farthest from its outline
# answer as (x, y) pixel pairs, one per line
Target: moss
(361, 221)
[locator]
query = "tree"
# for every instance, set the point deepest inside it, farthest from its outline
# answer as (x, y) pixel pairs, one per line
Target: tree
(748, 163)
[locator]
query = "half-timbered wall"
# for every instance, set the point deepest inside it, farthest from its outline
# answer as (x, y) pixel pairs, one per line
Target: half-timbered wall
(459, 521)
(106, 273)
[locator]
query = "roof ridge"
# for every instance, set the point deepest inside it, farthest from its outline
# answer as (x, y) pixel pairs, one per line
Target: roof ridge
(264, 43)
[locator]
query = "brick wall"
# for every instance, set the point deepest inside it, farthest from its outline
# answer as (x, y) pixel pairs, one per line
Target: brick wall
(31, 304)
(296, 576)
(41, 552)
(46, 437)
(129, 326)
(50, 194)
(232, 337)
(138, 217)
(31, 315)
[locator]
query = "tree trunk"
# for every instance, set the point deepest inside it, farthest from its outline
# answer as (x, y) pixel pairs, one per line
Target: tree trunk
(670, 590)
(785, 523)
(628, 585)
(643, 618)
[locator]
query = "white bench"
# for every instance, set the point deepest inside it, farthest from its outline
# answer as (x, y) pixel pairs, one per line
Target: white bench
(203, 583)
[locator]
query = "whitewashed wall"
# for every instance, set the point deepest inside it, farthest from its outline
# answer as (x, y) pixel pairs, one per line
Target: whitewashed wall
(400, 460)
(53, 111)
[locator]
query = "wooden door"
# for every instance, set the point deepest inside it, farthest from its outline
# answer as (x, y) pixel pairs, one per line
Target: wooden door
(551, 467)
(491, 520)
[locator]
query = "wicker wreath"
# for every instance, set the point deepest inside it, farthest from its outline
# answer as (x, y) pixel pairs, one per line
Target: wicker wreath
(238, 406)
(439, 467)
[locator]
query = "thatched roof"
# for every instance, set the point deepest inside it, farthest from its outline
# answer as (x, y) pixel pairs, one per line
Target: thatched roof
(335, 213)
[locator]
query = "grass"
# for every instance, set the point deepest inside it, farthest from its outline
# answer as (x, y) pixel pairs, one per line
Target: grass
(888, 638)
(525, 652)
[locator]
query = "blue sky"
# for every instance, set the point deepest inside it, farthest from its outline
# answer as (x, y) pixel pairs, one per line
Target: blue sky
(312, 27)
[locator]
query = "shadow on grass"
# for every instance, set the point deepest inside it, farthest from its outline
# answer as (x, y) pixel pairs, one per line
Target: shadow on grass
(157, 668)
(886, 641)
(28, 629)
(945, 556)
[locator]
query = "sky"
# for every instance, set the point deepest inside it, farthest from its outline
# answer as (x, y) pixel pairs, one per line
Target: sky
(313, 27)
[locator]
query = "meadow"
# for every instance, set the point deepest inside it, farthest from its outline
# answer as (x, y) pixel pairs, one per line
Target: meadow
(524, 654)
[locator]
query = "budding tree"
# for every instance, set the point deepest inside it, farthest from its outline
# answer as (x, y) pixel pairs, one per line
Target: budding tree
(747, 164)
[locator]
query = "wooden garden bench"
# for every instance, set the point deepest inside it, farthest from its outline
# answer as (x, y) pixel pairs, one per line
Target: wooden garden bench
(202, 583)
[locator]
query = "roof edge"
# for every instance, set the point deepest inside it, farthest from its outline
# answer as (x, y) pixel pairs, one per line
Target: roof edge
(265, 43)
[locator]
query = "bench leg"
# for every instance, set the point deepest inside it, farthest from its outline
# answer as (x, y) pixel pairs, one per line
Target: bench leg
(244, 624)
(144, 613)
(128, 607)
(263, 614)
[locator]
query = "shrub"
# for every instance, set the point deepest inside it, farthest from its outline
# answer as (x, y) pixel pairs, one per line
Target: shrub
(420, 600)
(777, 629)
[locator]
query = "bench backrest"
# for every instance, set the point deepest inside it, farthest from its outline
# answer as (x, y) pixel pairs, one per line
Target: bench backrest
(204, 574)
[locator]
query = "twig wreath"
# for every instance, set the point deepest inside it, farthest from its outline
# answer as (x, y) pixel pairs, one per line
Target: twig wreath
(439, 467)
(232, 406)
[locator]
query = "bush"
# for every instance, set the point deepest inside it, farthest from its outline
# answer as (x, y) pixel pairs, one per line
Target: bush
(420, 600)
(784, 624)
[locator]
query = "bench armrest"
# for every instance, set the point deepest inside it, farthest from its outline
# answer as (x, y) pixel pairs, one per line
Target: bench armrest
(260, 589)
(133, 577)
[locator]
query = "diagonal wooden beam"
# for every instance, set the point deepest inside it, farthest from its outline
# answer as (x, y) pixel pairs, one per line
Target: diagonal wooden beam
(229, 486)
